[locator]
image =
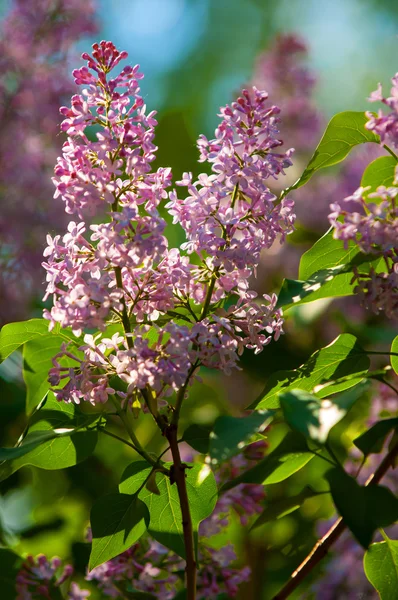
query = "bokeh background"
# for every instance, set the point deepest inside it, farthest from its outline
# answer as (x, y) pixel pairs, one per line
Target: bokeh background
(196, 55)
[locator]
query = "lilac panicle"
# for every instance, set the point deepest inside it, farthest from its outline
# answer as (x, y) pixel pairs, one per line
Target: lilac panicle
(373, 227)
(385, 125)
(121, 269)
(231, 215)
(38, 577)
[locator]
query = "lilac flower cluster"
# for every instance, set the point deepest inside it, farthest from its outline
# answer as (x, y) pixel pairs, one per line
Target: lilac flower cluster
(232, 215)
(38, 577)
(170, 311)
(373, 226)
(385, 125)
(35, 45)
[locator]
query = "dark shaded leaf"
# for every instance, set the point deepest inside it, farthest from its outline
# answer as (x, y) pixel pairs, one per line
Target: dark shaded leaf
(372, 441)
(117, 522)
(231, 434)
(197, 436)
(363, 508)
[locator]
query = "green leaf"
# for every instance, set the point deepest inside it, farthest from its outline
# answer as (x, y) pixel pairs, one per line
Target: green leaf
(134, 477)
(165, 513)
(394, 359)
(381, 568)
(10, 564)
(330, 282)
(363, 508)
(61, 449)
(117, 522)
(290, 456)
(281, 507)
(340, 359)
(231, 434)
(379, 172)
(197, 436)
(372, 441)
(15, 335)
(326, 253)
(314, 417)
(344, 131)
(38, 355)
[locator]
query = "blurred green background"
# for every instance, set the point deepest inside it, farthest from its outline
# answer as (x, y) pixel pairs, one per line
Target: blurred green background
(196, 54)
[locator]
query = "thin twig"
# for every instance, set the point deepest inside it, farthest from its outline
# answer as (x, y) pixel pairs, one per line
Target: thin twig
(323, 545)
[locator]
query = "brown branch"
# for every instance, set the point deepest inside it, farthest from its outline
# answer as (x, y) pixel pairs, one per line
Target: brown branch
(323, 545)
(178, 476)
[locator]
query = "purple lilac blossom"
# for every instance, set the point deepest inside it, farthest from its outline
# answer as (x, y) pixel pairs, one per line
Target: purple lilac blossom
(38, 577)
(123, 268)
(385, 125)
(373, 227)
(35, 44)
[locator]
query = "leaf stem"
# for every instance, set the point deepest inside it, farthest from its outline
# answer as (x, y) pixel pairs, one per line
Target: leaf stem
(136, 443)
(323, 545)
(125, 314)
(209, 294)
(177, 475)
(390, 152)
(181, 394)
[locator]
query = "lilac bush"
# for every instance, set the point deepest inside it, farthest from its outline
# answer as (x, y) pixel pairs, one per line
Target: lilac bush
(132, 324)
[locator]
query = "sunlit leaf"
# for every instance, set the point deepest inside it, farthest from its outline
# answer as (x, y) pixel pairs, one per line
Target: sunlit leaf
(394, 359)
(290, 456)
(340, 359)
(381, 568)
(314, 417)
(380, 172)
(72, 442)
(343, 132)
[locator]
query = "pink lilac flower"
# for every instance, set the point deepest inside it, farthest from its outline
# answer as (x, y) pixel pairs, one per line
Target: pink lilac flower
(76, 593)
(38, 577)
(35, 43)
(231, 215)
(373, 227)
(385, 125)
(121, 269)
